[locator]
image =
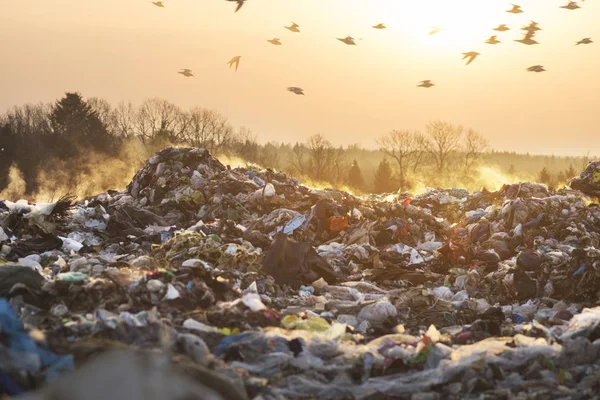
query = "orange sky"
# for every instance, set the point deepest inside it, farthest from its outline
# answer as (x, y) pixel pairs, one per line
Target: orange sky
(130, 50)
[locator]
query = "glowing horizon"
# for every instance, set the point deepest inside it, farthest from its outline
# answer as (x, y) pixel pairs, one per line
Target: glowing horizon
(132, 51)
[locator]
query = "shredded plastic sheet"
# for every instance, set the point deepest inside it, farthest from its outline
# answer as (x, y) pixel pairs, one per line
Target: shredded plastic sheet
(24, 351)
(294, 224)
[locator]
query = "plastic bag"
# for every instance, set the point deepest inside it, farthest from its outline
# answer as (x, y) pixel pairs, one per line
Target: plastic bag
(253, 302)
(337, 224)
(316, 324)
(378, 315)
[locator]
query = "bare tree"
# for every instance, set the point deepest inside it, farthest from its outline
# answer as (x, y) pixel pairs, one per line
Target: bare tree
(208, 129)
(320, 160)
(180, 127)
(475, 146)
(244, 134)
(423, 151)
(319, 150)
(105, 113)
(339, 165)
(269, 156)
(29, 119)
(222, 133)
(125, 119)
(245, 145)
(407, 148)
(445, 141)
(156, 117)
(27, 142)
(198, 133)
(297, 162)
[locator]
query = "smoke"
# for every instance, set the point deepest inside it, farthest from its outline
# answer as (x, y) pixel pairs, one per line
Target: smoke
(92, 173)
(493, 178)
(490, 177)
(235, 162)
(16, 184)
(320, 185)
(89, 174)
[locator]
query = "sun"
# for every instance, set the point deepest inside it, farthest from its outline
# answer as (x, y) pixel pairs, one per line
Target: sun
(446, 24)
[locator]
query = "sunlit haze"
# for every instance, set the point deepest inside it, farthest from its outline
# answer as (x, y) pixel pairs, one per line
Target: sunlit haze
(131, 50)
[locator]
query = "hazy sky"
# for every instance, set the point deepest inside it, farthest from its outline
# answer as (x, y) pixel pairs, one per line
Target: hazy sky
(130, 49)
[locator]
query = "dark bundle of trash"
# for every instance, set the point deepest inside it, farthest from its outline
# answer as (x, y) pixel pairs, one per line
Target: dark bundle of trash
(588, 181)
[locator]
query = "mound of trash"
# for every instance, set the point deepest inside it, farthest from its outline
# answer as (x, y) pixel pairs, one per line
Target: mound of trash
(589, 180)
(203, 281)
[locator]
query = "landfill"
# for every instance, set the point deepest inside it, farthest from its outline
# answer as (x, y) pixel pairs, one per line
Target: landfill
(205, 281)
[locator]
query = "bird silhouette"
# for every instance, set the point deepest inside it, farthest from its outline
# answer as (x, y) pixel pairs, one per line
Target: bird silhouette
(186, 72)
(349, 40)
(471, 55)
(434, 30)
(492, 40)
(158, 3)
(502, 28)
(515, 9)
(426, 84)
(536, 68)
(585, 41)
(571, 6)
(531, 28)
(379, 26)
(528, 39)
(294, 27)
(275, 41)
(240, 3)
(235, 60)
(296, 90)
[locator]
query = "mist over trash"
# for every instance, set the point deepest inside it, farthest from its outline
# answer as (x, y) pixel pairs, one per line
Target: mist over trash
(46, 154)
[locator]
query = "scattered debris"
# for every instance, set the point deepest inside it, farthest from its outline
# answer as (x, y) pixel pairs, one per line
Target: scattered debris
(240, 283)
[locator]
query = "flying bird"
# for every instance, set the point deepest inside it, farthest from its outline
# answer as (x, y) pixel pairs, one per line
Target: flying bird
(186, 72)
(531, 28)
(434, 30)
(585, 41)
(571, 6)
(528, 38)
(492, 40)
(349, 40)
(294, 27)
(426, 84)
(515, 9)
(158, 3)
(296, 90)
(536, 68)
(379, 26)
(275, 41)
(235, 60)
(471, 55)
(502, 28)
(240, 3)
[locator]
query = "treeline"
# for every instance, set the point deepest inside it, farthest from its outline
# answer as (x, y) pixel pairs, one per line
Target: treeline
(77, 137)
(77, 140)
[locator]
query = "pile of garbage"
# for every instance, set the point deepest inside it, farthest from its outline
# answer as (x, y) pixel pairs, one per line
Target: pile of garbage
(203, 281)
(589, 180)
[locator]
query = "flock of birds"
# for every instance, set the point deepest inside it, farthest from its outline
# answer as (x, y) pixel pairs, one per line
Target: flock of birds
(528, 39)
